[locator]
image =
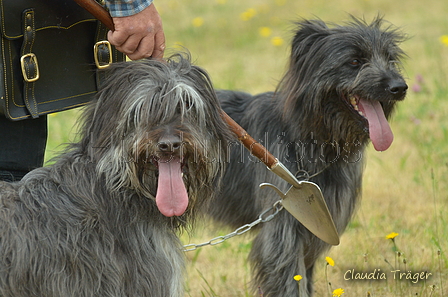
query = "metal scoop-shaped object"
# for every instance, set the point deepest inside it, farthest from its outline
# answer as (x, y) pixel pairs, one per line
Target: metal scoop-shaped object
(307, 205)
(304, 201)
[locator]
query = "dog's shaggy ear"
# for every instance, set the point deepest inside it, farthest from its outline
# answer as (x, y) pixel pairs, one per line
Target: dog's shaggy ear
(308, 42)
(309, 31)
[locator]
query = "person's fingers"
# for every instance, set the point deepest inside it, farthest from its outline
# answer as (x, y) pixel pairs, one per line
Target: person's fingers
(144, 50)
(117, 38)
(131, 45)
(140, 35)
(135, 49)
(127, 43)
(159, 45)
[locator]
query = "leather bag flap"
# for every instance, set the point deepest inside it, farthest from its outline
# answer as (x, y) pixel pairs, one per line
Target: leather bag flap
(48, 14)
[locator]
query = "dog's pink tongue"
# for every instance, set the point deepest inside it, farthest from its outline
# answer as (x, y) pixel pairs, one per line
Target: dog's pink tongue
(171, 197)
(379, 129)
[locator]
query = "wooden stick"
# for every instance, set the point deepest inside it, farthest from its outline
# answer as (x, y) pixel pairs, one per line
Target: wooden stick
(98, 12)
(254, 147)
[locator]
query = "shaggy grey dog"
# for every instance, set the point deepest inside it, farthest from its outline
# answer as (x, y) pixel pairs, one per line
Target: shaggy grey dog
(102, 220)
(341, 87)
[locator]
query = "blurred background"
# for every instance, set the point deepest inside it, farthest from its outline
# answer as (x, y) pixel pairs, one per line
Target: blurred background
(244, 45)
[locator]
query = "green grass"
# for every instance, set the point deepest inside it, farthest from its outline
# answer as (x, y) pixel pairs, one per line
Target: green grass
(405, 188)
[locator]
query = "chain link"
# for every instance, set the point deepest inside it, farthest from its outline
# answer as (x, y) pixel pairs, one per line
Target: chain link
(275, 209)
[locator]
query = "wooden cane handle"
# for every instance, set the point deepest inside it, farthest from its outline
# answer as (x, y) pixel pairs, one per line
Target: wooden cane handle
(253, 146)
(256, 149)
(98, 12)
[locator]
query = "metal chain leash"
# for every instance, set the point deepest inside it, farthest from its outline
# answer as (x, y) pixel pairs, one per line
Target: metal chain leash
(275, 209)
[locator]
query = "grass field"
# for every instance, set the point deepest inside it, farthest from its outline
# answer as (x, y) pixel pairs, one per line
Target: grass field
(244, 45)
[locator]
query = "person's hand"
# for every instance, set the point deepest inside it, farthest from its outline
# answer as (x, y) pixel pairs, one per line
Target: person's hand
(140, 35)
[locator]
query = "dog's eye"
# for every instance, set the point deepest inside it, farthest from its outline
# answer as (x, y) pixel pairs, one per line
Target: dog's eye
(355, 63)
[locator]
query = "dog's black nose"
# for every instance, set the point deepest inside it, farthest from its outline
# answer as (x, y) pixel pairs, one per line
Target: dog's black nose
(169, 147)
(169, 144)
(397, 88)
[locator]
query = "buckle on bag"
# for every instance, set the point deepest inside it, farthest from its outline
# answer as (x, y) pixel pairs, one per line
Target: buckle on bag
(100, 49)
(29, 65)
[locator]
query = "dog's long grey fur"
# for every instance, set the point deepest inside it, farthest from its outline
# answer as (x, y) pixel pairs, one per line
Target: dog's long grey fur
(311, 125)
(89, 225)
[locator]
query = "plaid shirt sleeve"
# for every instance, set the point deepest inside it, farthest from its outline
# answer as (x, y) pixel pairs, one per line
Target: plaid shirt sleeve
(122, 8)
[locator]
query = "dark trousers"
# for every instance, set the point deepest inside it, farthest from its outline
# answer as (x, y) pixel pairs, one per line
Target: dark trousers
(22, 146)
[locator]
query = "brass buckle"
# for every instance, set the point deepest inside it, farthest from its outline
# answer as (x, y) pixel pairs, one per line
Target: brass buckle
(33, 60)
(96, 50)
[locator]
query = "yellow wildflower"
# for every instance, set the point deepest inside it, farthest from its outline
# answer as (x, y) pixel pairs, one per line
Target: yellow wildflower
(329, 261)
(265, 31)
(338, 292)
(444, 40)
(297, 277)
(277, 41)
(248, 14)
(392, 235)
(197, 22)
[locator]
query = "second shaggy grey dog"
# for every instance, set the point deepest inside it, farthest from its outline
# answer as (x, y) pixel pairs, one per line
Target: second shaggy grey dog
(341, 86)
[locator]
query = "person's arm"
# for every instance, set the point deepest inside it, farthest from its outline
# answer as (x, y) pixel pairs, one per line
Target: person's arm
(138, 28)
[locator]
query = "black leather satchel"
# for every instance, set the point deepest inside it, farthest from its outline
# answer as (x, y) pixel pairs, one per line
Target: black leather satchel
(50, 53)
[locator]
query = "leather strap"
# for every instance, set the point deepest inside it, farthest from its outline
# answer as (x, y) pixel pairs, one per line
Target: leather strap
(29, 64)
(103, 54)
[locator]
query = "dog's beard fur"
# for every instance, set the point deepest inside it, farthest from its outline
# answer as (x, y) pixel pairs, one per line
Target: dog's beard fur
(310, 124)
(89, 224)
